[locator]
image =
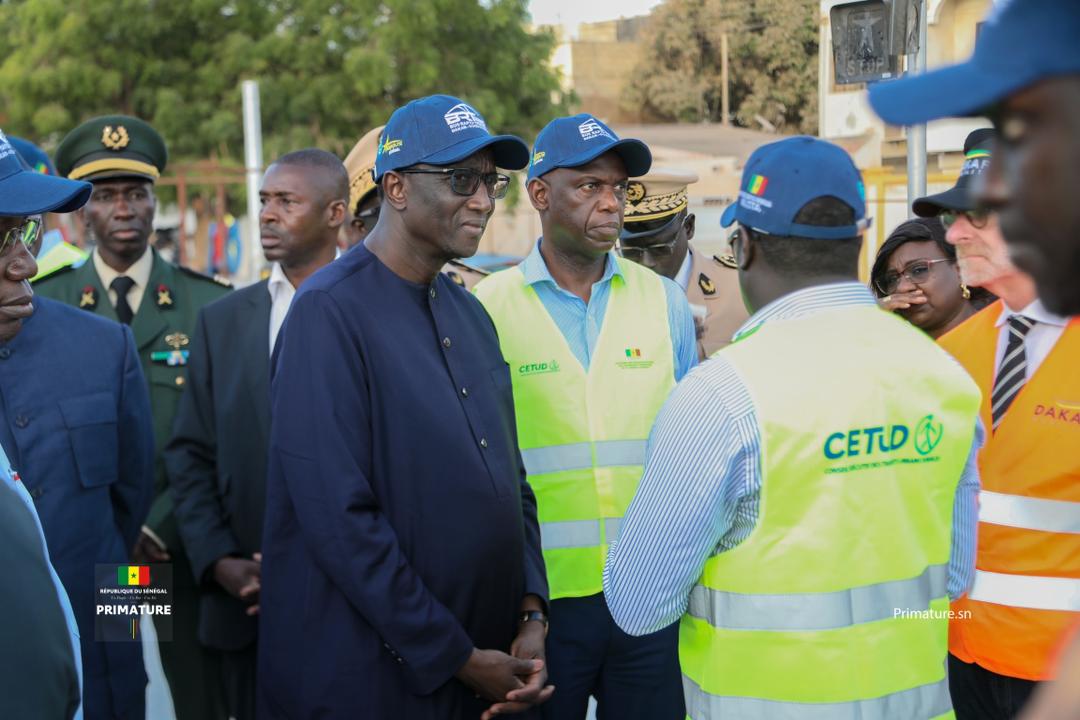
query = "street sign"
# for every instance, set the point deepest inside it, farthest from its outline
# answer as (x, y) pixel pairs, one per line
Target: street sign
(860, 47)
(869, 36)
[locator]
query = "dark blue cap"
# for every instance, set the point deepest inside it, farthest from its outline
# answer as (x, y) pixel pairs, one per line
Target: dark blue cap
(25, 192)
(1021, 43)
(781, 177)
(439, 130)
(34, 156)
(573, 141)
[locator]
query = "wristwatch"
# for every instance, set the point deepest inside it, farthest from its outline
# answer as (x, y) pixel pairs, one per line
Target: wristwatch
(535, 615)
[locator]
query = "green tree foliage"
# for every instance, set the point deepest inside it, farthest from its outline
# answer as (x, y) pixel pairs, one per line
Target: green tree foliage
(328, 70)
(772, 52)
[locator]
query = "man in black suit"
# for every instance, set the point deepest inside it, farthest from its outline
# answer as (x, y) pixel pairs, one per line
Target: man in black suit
(216, 460)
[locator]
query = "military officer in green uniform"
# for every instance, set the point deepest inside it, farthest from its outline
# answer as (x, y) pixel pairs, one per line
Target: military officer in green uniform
(657, 229)
(126, 280)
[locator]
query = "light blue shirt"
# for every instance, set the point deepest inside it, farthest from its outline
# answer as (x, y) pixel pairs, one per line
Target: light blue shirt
(10, 478)
(702, 483)
(581, 322)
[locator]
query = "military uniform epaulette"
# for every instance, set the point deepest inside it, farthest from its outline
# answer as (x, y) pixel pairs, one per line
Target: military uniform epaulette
(54, 274)
(466, 266)
(727, 261)
(216, 279)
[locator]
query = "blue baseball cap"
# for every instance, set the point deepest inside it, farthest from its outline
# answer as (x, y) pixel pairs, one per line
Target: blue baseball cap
(573, 141)
(34, 156)
(439, 130)
(25, 192)
(1022, 42)
(781, 177)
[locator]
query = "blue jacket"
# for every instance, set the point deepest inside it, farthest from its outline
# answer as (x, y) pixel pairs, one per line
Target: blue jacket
(76, 425)
(400, 531)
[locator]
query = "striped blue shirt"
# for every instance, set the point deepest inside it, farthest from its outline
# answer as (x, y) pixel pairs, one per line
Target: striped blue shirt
(580, 322)
(702, 483)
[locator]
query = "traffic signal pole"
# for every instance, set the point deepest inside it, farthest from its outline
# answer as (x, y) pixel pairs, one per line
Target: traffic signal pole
(916, 134)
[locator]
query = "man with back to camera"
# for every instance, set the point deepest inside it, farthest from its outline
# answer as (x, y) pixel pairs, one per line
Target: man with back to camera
(801, 514)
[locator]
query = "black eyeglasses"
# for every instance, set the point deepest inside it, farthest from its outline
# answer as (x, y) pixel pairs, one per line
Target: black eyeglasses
(917, 273)
(465, 181)
(368, 218)
(27, 234)
(977, 218)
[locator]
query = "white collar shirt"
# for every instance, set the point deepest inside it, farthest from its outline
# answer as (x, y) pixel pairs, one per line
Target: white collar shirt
(139, 272)
(1040, 339)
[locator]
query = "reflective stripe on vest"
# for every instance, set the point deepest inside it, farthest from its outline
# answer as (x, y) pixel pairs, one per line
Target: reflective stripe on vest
(1028, 512)
(1024, 599)
(1027, 591)
(835, 605)
(578, 456)
(923, 702)
(577, 533)
(818, 611)
(583, 433)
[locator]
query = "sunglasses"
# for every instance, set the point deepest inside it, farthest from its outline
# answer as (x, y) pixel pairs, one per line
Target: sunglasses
(465, 181)
(637, 253)
(977, 218)
(27, 234)
(917, 273)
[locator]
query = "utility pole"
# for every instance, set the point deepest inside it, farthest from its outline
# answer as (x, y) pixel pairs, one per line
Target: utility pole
(253, 160)
(916, 134)
(725, 108)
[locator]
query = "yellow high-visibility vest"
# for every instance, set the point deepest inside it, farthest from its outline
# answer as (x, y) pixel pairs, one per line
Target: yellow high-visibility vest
(835, 606)
(582, 434)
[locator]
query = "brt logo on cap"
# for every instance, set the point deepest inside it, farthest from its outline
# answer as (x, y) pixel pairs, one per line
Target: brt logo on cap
(591, 129)
(5, 146)
(462, 117)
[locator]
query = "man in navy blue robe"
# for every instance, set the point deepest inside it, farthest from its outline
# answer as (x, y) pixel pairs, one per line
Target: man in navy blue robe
(402, 572)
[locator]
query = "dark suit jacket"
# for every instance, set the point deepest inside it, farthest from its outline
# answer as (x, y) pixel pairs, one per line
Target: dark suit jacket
(76, 407)
(216, 460)
(37, 668)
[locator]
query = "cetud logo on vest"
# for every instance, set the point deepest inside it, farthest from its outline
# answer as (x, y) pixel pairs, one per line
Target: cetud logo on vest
(881, 443)
(538, 368)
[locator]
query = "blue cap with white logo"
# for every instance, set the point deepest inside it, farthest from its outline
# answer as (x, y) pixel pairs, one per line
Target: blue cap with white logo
(781, 177)
(1021, 43)
(573, 141)
(439, 130)
(26, 192)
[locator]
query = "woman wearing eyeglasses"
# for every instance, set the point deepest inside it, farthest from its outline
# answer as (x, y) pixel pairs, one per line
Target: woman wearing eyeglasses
(915, 276)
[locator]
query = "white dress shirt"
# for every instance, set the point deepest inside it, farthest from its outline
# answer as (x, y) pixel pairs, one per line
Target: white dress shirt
(1040, 339)
(139, 272)
(683, 276)
(282, 293)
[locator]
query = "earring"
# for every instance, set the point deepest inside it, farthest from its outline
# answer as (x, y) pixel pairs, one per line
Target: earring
(965, 291)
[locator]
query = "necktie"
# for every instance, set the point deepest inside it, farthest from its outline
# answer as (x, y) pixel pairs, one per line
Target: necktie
(122, 284)
(1012, 372)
